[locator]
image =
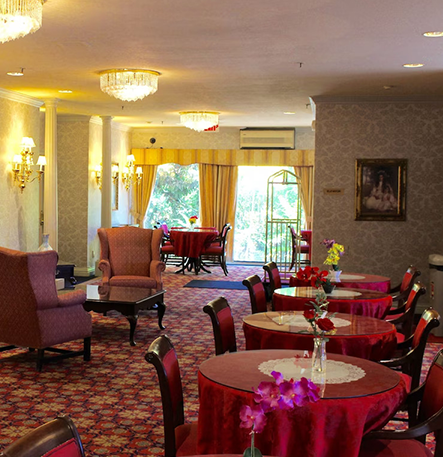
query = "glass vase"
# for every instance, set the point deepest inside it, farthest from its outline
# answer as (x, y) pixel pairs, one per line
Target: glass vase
(319, 355)
(45, 243)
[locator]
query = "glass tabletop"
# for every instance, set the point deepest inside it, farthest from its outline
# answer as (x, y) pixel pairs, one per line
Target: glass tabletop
(114, 294)
(337, 294)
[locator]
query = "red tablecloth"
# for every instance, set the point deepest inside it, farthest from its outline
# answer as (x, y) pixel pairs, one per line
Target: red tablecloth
(331, 427)
(367, 303)
(364, 337)
(190, 243)
(364, 281)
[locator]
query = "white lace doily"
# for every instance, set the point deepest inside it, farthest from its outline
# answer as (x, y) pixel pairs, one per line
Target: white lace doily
(297, 320)
(348, 277)
(340, 293)
(296, 368)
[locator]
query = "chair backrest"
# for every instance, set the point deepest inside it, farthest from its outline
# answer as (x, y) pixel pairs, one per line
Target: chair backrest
(27, 284)
(432, 400)
(222, 325)
(162, 355)
(429, 320)
(57, 438)
(257, 294)
(409, 279)
(274, 276)
(224, 234)
(418, 289)
(130, 250)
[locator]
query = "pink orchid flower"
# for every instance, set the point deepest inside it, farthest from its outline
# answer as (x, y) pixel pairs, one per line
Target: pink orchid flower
(252, 417)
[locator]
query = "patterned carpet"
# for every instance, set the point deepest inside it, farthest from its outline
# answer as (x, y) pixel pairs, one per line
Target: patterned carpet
(114, 399)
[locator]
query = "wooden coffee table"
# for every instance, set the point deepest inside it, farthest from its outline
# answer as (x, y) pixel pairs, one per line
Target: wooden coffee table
(127, 301)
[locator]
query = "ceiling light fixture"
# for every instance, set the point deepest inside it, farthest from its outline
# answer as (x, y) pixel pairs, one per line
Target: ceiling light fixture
(413, 65)
(19, 18)
(15, 73)
(129, 84)
(65, 91)
(199, 120)
(433, 34)
(288, 112)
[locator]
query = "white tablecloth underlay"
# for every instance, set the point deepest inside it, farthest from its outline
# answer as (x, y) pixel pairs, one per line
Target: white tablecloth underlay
(340, 293)
(299, 321)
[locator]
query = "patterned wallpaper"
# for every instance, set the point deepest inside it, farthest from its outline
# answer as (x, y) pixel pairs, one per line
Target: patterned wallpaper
(347, 131)
(19, 213)
(225, 138)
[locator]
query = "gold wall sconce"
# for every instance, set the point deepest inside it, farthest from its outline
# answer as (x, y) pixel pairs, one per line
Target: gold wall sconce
(131, 174)
(23, 162)
(98, 174)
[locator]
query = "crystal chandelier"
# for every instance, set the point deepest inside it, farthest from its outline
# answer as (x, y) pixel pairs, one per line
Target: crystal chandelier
(199, 120)
(19, 17)
(129, 85)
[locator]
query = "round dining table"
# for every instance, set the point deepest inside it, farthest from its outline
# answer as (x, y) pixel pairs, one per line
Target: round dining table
(357, 396)
(357, 336)
(189, 244)
(354, 281)
(350, 301)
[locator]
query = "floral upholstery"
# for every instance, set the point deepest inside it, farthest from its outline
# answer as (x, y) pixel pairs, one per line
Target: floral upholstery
(32, 313)
(130, 257)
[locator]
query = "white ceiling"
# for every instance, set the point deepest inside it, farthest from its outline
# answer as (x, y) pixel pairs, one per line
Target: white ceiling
(233, 56)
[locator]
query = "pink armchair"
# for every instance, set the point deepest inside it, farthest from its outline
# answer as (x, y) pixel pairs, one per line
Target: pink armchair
(130, 257)
(32, 314)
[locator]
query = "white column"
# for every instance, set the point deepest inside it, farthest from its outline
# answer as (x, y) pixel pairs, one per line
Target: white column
(51, 195)
(106, 172)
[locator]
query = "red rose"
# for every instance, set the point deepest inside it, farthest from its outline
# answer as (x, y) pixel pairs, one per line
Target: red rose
(325, 324)
(309, 314)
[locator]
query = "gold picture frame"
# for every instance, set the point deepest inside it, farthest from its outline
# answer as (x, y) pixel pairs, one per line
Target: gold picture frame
(380, 189)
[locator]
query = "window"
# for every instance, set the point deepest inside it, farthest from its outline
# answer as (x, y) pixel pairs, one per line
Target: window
(176, 195)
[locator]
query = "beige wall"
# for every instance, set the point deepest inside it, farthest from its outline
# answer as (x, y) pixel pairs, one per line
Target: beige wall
(225, 138)
(19, 212)
(347, 131)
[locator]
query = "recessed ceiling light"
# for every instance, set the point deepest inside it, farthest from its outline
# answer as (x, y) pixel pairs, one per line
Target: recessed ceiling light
(433, 34)
(289, 112)
(15, 73)
(413, 65)
(65, 91)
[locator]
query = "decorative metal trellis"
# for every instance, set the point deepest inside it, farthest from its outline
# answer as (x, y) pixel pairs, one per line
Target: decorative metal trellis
(282, 212)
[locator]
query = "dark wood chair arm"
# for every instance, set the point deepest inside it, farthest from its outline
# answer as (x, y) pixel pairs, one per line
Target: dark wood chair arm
(400, 309)
(398, 362)
(395, 289)
(399, 320)
(406, 344)
(433, 423)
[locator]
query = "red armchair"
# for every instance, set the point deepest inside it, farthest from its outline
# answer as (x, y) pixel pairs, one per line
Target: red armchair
(32, 314)
(130, 257)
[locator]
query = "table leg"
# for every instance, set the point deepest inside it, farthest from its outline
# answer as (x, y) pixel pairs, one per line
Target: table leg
(184, 266)
(132, 325)
(161, 309)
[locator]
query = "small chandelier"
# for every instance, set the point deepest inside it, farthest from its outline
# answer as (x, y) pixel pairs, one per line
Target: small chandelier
(22, 163)
(19, 17)
(129, 85)
(199, 120)
(129, 175)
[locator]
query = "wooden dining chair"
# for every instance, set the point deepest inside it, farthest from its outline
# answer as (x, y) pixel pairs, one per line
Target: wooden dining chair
(411, 442)
(57, 438)
(257, 294)
(299, 248)
(216, 252)
(222, 325)
(180, 438)
(404, 320)
(410, 363)
(271, 270)
(401, 292)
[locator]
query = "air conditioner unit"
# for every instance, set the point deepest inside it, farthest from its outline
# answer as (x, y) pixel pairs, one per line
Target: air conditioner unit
(252, 138)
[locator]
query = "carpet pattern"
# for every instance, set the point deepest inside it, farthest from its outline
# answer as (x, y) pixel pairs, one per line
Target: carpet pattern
(114, 399)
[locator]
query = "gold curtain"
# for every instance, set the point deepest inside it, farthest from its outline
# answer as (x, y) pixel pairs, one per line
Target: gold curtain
(143, 192)
(218, 197)
(306, 188)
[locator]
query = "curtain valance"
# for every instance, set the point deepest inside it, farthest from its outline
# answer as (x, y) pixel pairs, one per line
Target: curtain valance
(238, 157)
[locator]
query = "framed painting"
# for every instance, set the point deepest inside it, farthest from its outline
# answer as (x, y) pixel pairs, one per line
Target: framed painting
(380, 190)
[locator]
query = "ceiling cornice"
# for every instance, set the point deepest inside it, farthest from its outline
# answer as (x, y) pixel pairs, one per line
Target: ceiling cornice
(20, 98)
(368, 99)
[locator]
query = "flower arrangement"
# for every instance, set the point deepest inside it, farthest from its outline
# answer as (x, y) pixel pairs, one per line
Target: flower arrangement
(335, 252)
(316, 315)
(313, 275)
(193, 220)
(320, 323)
(269, 396)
